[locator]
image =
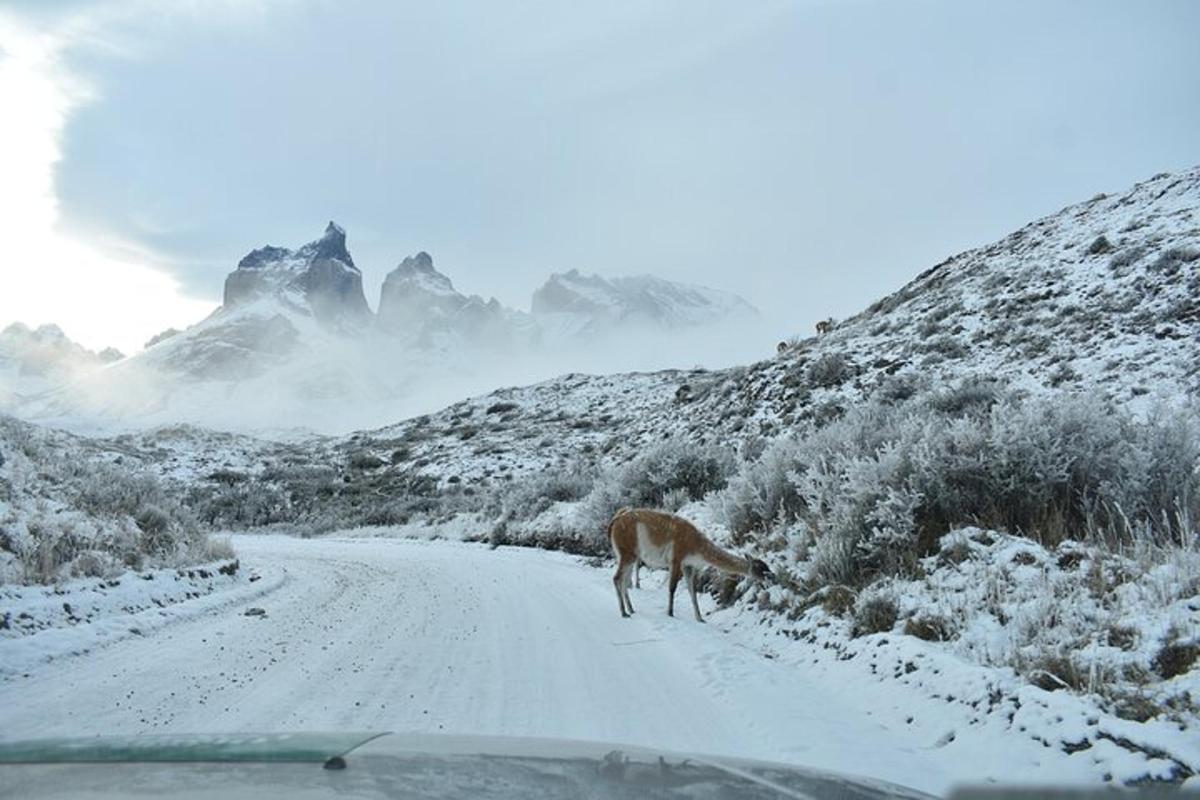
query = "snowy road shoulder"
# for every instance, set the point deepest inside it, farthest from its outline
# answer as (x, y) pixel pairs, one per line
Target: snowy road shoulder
(39, 624)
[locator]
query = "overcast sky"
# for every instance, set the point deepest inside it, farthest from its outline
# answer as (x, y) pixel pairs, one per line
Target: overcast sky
(811, 156)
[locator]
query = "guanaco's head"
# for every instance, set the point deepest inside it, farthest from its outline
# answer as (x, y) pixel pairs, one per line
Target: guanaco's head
(760, 571)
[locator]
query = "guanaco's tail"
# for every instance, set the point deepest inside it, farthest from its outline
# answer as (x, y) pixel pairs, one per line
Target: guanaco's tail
(609, 530)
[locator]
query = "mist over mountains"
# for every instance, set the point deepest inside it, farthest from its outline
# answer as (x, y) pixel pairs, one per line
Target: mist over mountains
(295, 344)
(39, 359)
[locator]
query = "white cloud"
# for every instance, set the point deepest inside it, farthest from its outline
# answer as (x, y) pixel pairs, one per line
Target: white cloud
(98, 298)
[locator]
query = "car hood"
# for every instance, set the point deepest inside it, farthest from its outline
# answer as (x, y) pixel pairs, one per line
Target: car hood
(298, 766)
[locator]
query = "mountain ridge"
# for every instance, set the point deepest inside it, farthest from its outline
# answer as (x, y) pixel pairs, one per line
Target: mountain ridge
(295, 333)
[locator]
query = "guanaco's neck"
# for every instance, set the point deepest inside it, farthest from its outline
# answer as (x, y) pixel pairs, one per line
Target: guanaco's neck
(722, 559)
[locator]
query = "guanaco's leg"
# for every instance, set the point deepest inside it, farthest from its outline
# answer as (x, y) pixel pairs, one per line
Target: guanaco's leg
(689, 573)
(619, 579)
(637, 574)
(671, 586)
(625, 588)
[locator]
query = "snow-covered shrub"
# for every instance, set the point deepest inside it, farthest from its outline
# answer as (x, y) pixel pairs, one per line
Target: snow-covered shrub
(527, 498)
(91, 564)
(1176, 658)
(1171, 260)
(875, 488)
(929, 627)
(675, 499)
(1120, 263)
(861, 503)
(831, 369)
(945, 346)
(1053, 668)
(242, 504)
(972, 394)
(157, 539)
(218, 548)
(1078, 616)
(674, 468)
(364, 460)
(69, 512)
(152, 520)
(877, 614)
(109, 489)
(762, 491)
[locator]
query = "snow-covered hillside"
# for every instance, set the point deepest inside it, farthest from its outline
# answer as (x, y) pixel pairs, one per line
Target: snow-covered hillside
(1103, 297)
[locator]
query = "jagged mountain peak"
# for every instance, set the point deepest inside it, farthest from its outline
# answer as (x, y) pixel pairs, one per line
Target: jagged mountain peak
(331, 245)
(263, 257)
(415, 293)
(417, 274)
(321, 273)
(421, 262)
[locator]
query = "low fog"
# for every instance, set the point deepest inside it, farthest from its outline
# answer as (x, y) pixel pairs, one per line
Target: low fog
(334, 384)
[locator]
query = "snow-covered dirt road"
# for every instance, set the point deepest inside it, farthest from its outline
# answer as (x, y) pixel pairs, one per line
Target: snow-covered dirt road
(447, 637)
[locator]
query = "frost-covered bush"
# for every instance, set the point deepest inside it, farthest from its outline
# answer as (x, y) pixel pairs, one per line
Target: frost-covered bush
(69, 512)
(528, 498)
(109, 489)
(831, 369)
(762, 491)
(862, 503)
(874, 615)
(1122, 261)
(1077, 617)
(874, 489)
(240, 505)
(945, 346)
(969, 395)
(673, 469)
(366, 461)
(1171, 260)
(898, 388)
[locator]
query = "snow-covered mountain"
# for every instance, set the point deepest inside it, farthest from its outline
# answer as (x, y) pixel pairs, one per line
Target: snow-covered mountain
(35, 360)
(421, 305)
(295, 344)
(320, 277)
(575, 304)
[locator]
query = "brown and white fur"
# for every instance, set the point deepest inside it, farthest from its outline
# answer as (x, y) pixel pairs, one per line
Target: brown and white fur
(665, 541)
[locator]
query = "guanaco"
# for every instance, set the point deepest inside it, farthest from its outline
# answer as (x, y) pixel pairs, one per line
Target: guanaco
(665, 541)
